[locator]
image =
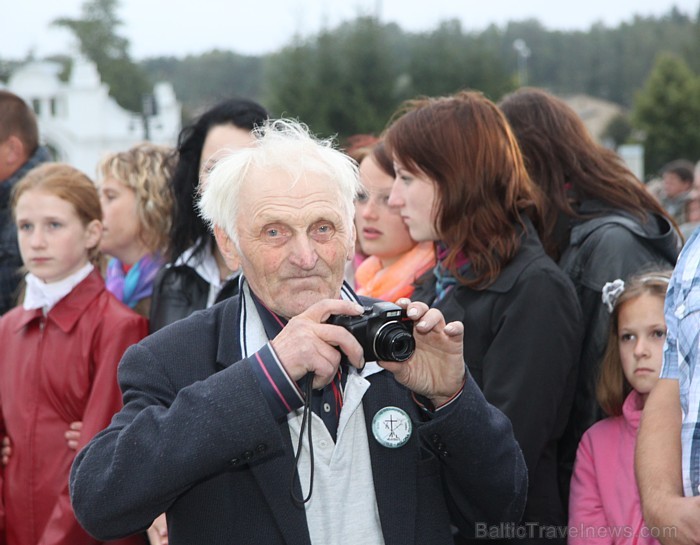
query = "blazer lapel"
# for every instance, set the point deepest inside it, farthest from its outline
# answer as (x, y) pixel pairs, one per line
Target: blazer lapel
(393, 469)
(274, 477)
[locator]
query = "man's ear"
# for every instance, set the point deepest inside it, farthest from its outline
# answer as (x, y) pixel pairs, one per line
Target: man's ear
(16, 154)
(227, 248)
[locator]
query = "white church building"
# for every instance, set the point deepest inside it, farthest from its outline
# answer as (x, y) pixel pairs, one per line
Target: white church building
(78, 120)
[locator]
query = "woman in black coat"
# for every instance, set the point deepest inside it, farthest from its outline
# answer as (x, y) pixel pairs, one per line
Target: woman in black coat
(461, 182)
(197, 276)
(599, 224)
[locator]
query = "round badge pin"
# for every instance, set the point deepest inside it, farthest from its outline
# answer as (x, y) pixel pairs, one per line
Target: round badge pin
(392, 427)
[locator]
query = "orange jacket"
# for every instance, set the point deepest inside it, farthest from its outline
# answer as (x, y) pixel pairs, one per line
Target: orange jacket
(55, 370)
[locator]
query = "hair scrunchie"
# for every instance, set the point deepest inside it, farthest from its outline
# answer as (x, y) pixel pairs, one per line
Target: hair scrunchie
(611, 293)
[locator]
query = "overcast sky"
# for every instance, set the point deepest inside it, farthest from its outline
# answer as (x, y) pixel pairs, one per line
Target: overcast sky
(179, 28)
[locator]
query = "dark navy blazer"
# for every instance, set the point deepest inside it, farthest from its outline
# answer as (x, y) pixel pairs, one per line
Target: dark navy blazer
(197, 440)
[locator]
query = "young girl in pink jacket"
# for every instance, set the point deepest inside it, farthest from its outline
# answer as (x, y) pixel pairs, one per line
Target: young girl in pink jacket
(604, 505)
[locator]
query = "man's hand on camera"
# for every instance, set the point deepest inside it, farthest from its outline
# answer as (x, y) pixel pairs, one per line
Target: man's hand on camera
(308, 344)
(436, 369)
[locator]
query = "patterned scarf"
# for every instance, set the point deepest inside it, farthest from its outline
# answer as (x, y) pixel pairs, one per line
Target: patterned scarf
(135, 285)
(444, 280)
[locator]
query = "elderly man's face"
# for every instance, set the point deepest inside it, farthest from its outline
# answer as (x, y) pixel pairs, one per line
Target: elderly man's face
(293, 242)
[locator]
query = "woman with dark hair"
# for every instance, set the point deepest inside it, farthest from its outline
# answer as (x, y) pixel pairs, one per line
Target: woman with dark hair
(461, 182)
(599, 223)
(197, 276)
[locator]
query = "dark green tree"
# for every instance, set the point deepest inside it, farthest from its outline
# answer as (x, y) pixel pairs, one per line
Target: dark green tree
(447, 60)
(200, 81)
(366, 75)
(667, 110)
(693, 45)
(609, 63)
(97, 34)
(350, 78)
(343, 81)
(290, 82)
(619, 130)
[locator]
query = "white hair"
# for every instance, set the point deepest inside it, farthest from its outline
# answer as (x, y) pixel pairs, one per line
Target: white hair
(281, 144)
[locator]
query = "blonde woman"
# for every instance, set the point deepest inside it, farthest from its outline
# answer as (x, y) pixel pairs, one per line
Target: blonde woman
(137, 206)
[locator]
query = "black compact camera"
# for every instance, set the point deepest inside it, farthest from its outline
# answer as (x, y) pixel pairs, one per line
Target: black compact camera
(383, 330)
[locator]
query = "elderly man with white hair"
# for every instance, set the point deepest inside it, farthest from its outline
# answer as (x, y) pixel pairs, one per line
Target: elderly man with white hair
(259, 421)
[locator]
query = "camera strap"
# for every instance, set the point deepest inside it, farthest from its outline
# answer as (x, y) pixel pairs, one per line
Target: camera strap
(305, 423)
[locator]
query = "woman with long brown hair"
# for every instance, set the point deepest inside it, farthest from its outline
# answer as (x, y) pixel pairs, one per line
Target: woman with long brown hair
(599, 223)
(461, 183)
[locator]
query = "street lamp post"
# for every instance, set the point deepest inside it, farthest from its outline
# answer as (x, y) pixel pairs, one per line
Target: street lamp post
(523, 52)
(148, 109)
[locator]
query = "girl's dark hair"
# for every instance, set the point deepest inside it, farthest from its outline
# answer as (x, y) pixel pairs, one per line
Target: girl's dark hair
(187, 227)
(564, 160)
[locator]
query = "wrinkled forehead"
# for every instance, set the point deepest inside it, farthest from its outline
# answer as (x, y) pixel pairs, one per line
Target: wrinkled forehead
(271, 183)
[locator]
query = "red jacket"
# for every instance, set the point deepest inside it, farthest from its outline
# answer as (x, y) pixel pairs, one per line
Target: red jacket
(55, 370)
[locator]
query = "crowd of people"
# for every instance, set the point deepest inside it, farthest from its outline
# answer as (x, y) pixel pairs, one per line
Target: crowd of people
(451, 332)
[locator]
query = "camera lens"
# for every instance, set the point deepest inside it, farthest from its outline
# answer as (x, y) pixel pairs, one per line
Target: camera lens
(393, 342)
